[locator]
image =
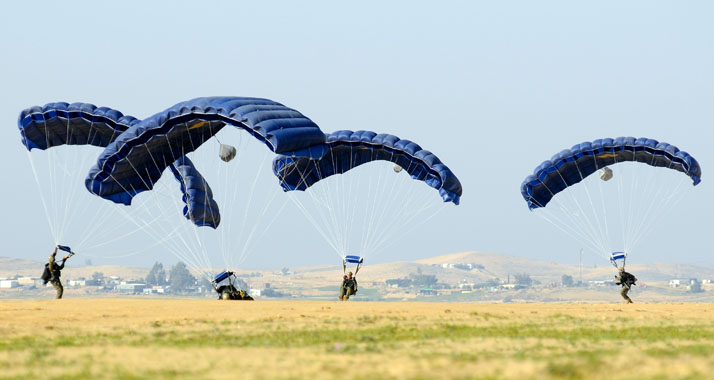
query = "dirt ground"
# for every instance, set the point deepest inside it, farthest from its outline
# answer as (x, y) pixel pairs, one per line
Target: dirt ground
(208, 339)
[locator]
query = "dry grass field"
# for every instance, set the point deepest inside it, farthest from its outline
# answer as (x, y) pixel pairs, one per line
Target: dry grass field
(206, 339)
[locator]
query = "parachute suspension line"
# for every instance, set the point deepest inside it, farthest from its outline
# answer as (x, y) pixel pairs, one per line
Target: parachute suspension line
(319, 195)
(574, 226)
(406, 218)
(382, 231)
(655, 209)
(177, 243)
(329, 196)
(349, 204)
(404, 193)
(603, 207)
(370, 213)
(158, 233)
(226, 226)
(577, 224)
(245, 243)
(603, 236)
(594, 229)
(562, 227)
(53, 190)
(94, 223)
(202, 255)
(621, 208)
(42, 197)
(325, 233)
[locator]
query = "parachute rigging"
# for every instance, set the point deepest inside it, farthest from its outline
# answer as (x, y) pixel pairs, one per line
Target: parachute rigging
(592, 208)
(135, 162)
(359, 211)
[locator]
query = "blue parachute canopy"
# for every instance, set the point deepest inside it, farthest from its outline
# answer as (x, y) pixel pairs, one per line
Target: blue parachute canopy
(64, 248)
(222, 276)
(353, 259)
(200, 207)
(615, 256)
(571, 166)
(345, 150)
(135, 161)
(61, 123)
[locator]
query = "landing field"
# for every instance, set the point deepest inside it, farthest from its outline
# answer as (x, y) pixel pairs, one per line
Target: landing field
(197, 339)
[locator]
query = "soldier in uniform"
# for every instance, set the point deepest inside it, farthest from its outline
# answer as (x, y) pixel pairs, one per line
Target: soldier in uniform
(348, 288)
(227, 292)
(54, 270)
(626, 280)
(342, 287)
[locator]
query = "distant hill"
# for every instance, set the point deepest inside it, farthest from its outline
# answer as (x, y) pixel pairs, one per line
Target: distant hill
(487, 266)
(10, 267)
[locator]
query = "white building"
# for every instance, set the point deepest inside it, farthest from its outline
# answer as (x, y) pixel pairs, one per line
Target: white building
(677, 282)
(7, 284)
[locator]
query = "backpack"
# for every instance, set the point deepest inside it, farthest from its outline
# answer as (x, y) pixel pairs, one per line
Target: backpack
(46, 275)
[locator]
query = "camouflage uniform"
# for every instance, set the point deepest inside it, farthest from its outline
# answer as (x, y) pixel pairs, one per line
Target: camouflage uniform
(230, 290)
(55, 272)
(348, 288)
(626, 280)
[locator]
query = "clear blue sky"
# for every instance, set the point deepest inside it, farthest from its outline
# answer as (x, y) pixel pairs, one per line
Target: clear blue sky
(492, 87)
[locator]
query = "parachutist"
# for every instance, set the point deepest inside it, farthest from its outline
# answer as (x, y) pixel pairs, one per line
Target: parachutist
(349, 287)
(625, 279)
(229, 292)
(53, 272)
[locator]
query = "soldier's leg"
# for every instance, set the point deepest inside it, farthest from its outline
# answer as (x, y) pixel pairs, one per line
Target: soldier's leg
(348, 292)
(342, 293)
(625, 290)
(60, 289)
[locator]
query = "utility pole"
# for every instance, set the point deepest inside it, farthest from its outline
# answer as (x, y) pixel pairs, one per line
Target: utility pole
(581, 266)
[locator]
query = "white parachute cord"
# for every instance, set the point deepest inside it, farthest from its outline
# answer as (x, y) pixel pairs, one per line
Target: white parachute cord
(574, 236)
(52, 183)
(653, 214)
(378, 222)
(598, 223)
(604, 210)
(640, 203)
(193, 258)
(324, 195)
(371, 209)
(331, 195)
(619, 179)
(243, 244)
(246, 211)
(42, 198)
(321, 205)
(202, 255)
(252, 237)
(583, 229)
(584, 222)
(314, 223)
(404, 219)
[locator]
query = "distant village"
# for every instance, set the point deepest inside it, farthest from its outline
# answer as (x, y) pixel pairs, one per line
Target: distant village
(178, 281)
